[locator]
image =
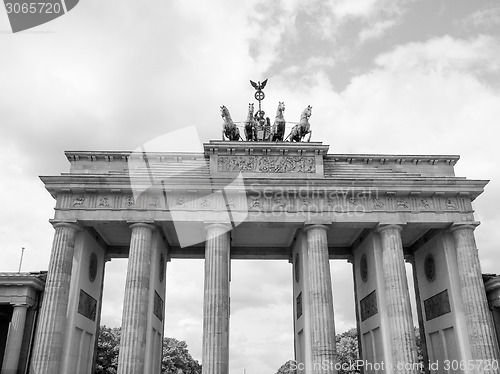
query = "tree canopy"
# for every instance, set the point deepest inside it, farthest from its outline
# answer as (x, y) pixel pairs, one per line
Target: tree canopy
(108, 345)
(176, 358)
(347, 351)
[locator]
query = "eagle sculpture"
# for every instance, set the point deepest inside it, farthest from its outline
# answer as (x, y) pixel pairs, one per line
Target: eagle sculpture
(258, 86)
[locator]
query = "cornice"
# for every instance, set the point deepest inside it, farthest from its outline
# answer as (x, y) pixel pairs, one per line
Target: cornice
(263, 147)
(392, 158)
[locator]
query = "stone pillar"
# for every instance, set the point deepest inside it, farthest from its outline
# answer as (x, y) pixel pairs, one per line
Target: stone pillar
(215, 359)
(14, 339)
(484, 345)
(323, 348)
(52, 321)
(132, 354)
(402, 335)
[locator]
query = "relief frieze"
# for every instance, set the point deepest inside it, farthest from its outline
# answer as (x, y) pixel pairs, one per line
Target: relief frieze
(377, 203)
(267, 164)
(275, 202)
(437, 305)
(425, 204)
(158, 306)
(368, 306)
(78, 200)
(104, 202)
(87, 305)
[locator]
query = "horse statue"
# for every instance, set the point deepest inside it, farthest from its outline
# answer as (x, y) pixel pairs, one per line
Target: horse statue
(229, 129)
(278, 130)
(250, 123)
(303, 128)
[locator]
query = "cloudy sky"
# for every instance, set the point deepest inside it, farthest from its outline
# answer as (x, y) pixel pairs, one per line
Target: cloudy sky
(414, 77)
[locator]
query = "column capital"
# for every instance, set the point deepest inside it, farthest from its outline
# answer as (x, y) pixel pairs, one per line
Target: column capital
(391, 226)
(56, 223)
(464, 226)
(20, 305)
(311, 226)
(222, 225)
(148, 225)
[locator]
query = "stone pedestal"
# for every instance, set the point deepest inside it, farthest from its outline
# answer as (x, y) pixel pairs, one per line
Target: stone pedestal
(480, 326)
(402, 335)
(46, 357)
(131, 359)
(321, 301)
(215, 358)
(14, 339)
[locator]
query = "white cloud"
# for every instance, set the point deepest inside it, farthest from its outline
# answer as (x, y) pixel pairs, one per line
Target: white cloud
(486, 17)
(354, 8)
(445, 54)
(376, 30)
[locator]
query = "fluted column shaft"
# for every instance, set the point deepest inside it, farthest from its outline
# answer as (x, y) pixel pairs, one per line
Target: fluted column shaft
(321, 301)
(484, 345)
(52, 321)
(404, 347)
(132, 354)
(215, 359)
(14, 339)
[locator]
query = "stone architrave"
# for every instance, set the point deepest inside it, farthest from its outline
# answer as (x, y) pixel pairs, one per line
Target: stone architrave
(484, 345)
(321, 301)
(402, 334)
(14, 339)
(216, 300)
(51, 324)
(132, 356)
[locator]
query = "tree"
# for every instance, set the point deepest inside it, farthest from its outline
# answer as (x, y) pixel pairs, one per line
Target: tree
(176, 358)
(420, 352)
(347, 352)
(347, 349)
(287, 368)
(108, 345)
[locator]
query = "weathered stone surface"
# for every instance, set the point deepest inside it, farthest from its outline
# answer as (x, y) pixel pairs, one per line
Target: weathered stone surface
(14, 340)
(321, 300)
(402, 335)
(266, 164)
(484, 345)
(135, 304)
(216, 301)
(52, 322)
(281, 191)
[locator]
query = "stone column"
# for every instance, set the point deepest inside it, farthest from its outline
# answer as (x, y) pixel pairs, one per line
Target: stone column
(132, 354)
(52, 321)
(215, 359)
(320, 301)
(403, 343)
(14, 340)
(484, 345)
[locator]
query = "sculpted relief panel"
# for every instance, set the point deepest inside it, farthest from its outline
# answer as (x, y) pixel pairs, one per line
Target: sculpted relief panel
(267, 164)
(267, 201)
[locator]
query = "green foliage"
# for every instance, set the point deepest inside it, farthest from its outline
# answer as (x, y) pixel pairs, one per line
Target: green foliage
(176, 357)
(286, 368)
(347, 351)
(107, 350)
(347, 348)
(420, 354)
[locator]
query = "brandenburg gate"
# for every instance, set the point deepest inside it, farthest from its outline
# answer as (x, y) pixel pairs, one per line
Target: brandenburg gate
(293, 201)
